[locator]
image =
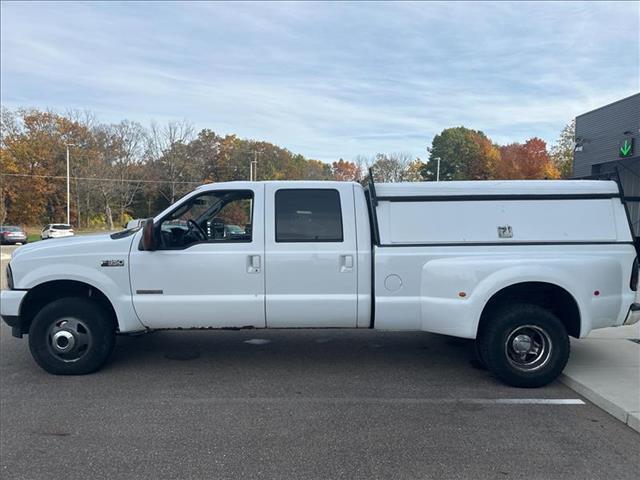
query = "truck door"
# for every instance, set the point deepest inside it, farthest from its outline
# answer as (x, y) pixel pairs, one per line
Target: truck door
(207, 270)
(310, 257)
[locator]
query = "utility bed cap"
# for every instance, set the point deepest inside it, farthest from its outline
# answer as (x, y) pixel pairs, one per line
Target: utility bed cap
(498, 187)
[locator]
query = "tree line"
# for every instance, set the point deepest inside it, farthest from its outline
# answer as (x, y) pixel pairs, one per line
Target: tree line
(126, 170)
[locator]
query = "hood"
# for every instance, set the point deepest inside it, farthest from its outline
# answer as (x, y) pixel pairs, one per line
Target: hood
(74, 244)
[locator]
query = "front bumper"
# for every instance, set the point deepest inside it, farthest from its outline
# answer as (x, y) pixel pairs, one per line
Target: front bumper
(634, 314)
(10, 301)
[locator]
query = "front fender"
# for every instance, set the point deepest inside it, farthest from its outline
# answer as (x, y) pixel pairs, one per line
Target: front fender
(112, 282)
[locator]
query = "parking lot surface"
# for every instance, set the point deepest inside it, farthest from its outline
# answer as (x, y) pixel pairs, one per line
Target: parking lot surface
(297, 404)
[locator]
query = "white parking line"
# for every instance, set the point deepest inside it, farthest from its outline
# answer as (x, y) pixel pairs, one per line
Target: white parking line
(257, 341)
(530, 401)
(392, 400)
(4, 256)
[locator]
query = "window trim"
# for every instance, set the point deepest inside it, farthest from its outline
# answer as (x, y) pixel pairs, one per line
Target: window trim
(275, 215)
(158, 224)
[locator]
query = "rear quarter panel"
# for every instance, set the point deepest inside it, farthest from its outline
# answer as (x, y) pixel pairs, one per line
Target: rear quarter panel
(444, 289)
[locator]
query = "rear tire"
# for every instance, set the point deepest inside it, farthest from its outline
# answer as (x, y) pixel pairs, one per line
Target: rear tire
(478, 360)
(71, 336)
(525, 345)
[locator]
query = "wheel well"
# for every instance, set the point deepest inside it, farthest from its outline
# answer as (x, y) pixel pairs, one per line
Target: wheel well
(43, 294)
(546, 295)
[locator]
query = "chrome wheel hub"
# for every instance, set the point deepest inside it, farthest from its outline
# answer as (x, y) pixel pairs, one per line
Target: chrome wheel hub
(63, 341)
(528, 347)
(522, 344)
(69, 339)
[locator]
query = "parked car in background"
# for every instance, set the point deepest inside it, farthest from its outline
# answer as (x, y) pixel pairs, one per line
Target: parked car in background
(56, 230)
(10, 235)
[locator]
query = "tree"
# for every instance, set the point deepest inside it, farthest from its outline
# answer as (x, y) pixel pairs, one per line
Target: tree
(413, 172)
(167, 150)
(31, 148)
(317, 170)
(345, 171)
(389, 168)
(526, 161)
(464, 154)
(562, 151)
(128, 139)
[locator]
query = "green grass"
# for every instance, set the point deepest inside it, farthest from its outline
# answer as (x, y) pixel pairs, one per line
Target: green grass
(33, 237)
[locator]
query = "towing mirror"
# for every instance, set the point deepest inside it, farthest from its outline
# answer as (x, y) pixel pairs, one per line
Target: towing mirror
(135, 223)
(148, 242)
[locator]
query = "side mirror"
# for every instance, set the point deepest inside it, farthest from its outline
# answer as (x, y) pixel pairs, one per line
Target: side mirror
(149, 240)
(135, 223)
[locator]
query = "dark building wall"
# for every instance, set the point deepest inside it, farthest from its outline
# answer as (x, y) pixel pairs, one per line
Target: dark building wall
(600, 132)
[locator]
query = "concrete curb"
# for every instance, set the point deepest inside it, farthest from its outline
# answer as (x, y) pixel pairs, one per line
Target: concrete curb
(605, 369)
(632, 419)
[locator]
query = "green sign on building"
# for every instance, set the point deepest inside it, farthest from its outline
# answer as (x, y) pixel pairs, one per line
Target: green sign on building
(625, 149)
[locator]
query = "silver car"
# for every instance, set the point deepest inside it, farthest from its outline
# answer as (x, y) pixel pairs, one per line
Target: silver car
(10, 235)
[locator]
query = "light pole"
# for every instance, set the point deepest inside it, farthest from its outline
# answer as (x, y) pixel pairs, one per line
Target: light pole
(253, 167)
(438, 171)
(68, 188)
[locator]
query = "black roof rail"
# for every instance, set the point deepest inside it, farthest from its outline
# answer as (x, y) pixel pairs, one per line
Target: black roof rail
(372, 188)
(372, 203)
(636, 239)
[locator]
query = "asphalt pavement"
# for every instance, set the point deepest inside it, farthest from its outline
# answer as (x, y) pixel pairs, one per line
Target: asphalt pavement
(297, 404)
(305, 404)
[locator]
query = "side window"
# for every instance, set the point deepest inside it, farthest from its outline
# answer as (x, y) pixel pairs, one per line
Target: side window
(216, 217)
(308, 215)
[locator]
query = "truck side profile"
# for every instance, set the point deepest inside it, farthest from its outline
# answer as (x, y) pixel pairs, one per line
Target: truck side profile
(520, 266)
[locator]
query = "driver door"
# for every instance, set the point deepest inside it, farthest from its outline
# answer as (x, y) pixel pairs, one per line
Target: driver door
(207, 271)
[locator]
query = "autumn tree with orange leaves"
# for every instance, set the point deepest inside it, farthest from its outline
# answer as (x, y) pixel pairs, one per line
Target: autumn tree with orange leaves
(525, 161)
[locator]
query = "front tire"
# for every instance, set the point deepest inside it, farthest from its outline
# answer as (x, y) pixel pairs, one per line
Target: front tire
(525, 345)
(71, 336)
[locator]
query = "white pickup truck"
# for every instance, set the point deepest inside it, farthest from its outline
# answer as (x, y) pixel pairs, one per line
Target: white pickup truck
(518, 265)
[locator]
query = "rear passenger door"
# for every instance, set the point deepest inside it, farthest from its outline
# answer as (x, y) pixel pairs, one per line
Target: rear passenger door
(310, 257)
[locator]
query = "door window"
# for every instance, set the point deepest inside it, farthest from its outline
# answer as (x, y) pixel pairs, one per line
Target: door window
(308, 215)
(214, 217)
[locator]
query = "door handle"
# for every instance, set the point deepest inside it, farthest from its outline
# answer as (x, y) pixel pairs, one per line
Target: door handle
(346, 263)
(253, 264)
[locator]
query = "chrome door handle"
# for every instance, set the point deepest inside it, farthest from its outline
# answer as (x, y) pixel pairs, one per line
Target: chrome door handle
(346, 263)
(253, 264)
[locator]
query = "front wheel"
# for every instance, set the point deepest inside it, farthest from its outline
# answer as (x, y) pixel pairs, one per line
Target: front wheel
(525, 345)
(71, 336)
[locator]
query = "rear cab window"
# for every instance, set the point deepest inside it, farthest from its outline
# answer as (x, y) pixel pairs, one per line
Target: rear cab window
(308, 215)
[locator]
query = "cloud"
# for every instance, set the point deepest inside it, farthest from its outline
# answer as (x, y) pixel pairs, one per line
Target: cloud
(326, 80)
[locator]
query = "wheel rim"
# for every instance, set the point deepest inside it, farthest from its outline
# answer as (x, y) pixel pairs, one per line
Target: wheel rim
(69, 339)
(528, 348)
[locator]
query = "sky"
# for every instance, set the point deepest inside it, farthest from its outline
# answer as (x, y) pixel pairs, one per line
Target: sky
(327, 80)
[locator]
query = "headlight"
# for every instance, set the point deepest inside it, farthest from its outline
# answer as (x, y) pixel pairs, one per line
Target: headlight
(9, 277)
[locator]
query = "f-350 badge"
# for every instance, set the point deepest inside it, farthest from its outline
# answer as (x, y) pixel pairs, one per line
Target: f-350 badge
(112, 263)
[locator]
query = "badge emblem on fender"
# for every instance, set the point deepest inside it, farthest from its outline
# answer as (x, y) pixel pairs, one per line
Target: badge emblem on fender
(112, 263)
(505, 231)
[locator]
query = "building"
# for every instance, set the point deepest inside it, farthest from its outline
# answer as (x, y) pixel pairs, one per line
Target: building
(607, 146)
